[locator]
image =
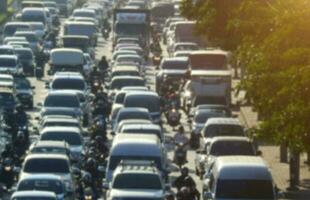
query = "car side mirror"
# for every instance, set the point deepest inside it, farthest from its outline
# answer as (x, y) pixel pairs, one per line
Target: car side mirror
(259, 153)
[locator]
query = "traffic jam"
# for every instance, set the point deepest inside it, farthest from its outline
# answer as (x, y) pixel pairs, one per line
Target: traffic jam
(120, 100)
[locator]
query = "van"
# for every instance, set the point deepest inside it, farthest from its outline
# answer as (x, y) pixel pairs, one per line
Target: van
(66, 59)
(133, 147)
(82, 28)
(239, 177)
(214, 59)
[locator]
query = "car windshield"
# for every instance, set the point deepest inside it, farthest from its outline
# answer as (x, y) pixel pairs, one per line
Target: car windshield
(223, 130)
(46, 165)
(174, 65)
(56, 150)
(152, 103)
(244, 189)
(21, 83)
(7, 62)
(226, 148)
(70, 138)
(115, 160)
(137, 181)
(133, 115)
(204, 116)
(41, 185)
(70, 84)
(62, 101)
(24, 54)
(119, 83)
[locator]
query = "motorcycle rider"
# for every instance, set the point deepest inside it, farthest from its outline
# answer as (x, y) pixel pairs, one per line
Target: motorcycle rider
(101, 145)
(180, 136)
(21, 120)
(103, 64)
(8, 151)
(95, 74)
(184, 180)
(20, 144)
(7, 172)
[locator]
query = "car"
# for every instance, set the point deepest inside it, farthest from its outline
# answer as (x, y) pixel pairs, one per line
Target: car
(117, 83)
(130, 113)
(26, 58)
(71, 135)
(7, 81)
(199, 118)
(16, 44)
(59, 112)
(11, 27)
(221, 126)
(125, 71)
(39, 29)
(24, 91)
(32, 14)
(59, 120)
(176, 63)
(131, 59)
(164, 78)
(82, 28)
(123, 52)
(8, 100)
(52, 164)
(58, 99)
(142, 177)
(42, 195)
(183, 46)
(80, 42)
(153, 129)
(50, 147)
(43, 182)
(222, 146)
(32, 38)
(135, 122)
(145, 99)
(7, 50)
(248, 175)
(134, 146)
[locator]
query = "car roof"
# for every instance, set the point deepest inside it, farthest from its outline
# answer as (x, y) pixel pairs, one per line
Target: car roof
(127, 77)
(13, 57)
(125, 68)
(35, 193)
(51, 143)
(211, 73)
(133, 88)
(25, 33)
(24, 49)
(59, 50)
(135, 138)
(46, 156)
(6, 47)
(176, 59)
(230, 138)
(62, 119)
(224, 121)
(142, 126)
(241, 167)
(43, 176)
(79, 23)
(133, 109)
(142, 93)
(60, 129)
(62, 92)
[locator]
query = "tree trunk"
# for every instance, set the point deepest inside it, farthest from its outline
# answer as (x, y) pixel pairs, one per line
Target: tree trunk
(283, 153)
(294, 170)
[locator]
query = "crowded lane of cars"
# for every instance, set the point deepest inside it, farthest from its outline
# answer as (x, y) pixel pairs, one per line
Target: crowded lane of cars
(119, 100)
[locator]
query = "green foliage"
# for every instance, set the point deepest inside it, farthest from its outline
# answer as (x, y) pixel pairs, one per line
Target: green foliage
(270, 38)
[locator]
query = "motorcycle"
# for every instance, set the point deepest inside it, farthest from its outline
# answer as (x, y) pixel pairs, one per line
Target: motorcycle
(105, 33)
(156, 59)
(7, 173)
(96, 84)
(180, 155)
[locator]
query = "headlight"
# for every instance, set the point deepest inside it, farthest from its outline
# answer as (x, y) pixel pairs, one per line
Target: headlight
(7, 168)
(88, 197)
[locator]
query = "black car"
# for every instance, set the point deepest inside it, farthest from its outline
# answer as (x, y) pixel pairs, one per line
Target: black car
(24, 91)
(26, 59)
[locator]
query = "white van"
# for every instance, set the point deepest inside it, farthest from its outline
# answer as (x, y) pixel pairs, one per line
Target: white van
(133, 147)
(239, 177)
(66, 59)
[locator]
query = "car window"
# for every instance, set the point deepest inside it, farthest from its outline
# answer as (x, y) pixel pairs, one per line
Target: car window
(48, 165)
(137, 181)
(61, 101)
(33, 198)
(41, 185)
(21, 83)
(225, 148)
(49, 150)
(119, 83)
(70, 84)
(70, 138)
(132, 115)
(24, 55)
(204, 116)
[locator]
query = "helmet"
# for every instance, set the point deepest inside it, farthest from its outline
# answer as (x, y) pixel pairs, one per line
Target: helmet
(86, 177)
(181, 129)
(91, 162)
(188, 181)
(20, 135)
(19, 108)
(184, 191)
(184, 171)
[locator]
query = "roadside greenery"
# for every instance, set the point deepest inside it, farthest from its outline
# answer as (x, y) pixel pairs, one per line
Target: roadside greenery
(10, 12)
(270, 39)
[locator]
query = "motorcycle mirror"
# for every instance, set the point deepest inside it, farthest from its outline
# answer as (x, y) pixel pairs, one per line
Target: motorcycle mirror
(17, 169)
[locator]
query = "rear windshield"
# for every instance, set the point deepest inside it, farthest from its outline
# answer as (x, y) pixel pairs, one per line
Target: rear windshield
(33, 198)
(71, 84)
(87, 30)
(24, 54)
(226, 148)
(42, 185)
(5, 62)
(244, 189)
(21, 83)
(151, 103)
(223, 130)
(84, 14)
(36, 17)
(115, 160)
(48, 165)
(174, 65)
(6, 52)
(70, 138)
(132, 115)
(143, 131)
(210, 62)
(120, 98)
(119, 83)
(56, 150)
(62, 101)
(137, 181)
(10, 29)
(203, 117)
(72, 124)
